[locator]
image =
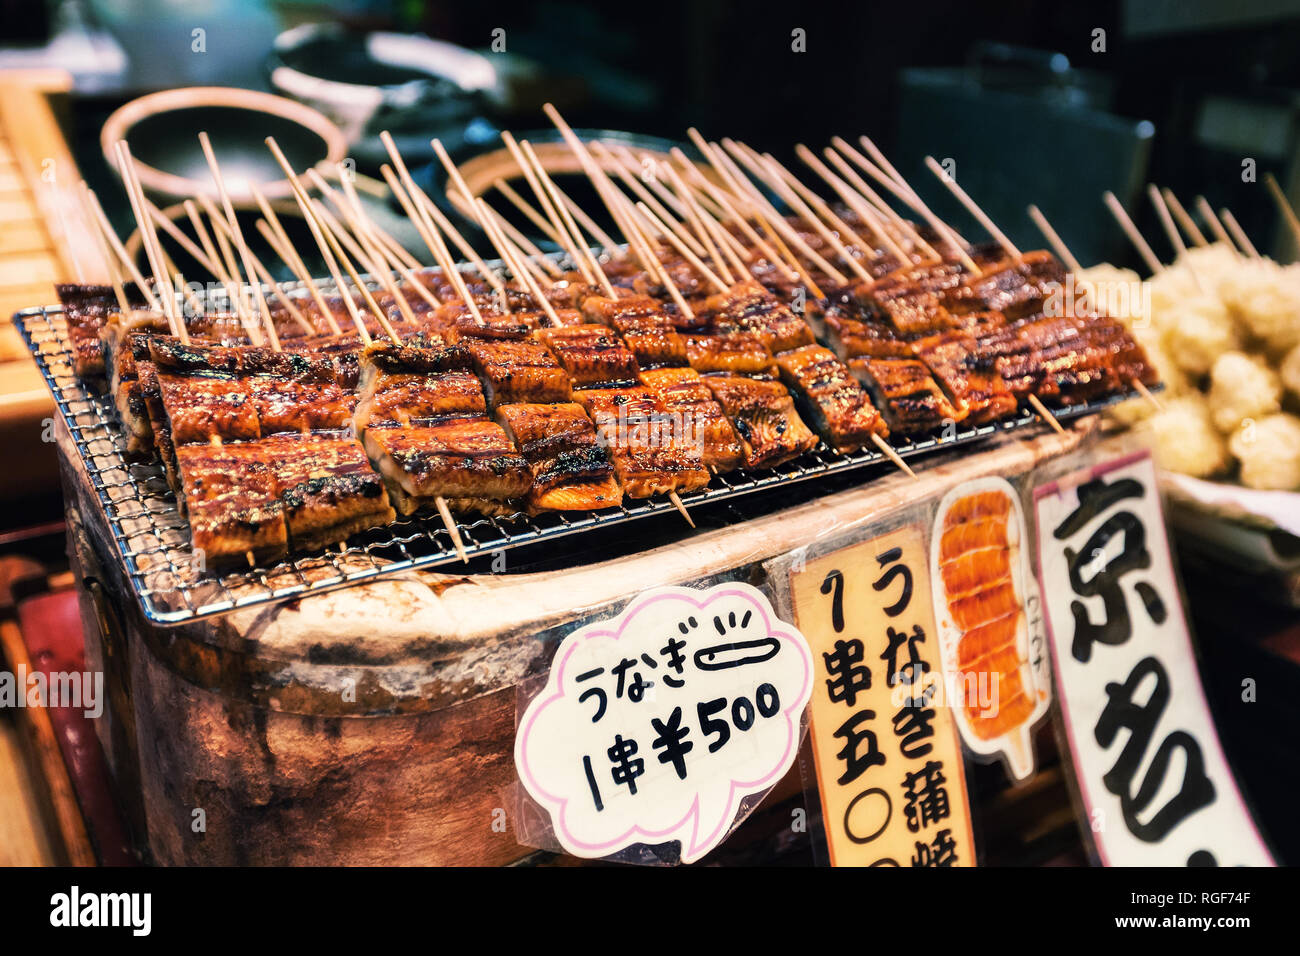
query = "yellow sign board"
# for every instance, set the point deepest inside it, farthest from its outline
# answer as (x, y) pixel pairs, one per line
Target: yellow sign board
(889, 765)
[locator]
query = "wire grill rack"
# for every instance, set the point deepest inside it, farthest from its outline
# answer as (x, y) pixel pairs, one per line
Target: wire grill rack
(172, 586)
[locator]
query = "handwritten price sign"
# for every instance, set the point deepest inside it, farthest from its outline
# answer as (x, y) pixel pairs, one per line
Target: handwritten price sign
(657, 725)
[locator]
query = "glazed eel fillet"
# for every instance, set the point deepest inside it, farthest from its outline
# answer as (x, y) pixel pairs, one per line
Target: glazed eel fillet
(422, 418)
(649, 446)
(530, 394)
(260, 444)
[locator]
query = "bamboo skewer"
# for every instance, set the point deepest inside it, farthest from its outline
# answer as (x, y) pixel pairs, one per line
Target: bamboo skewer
(822, 208)
(636, 168)
(329, 248)
(237, 235)
(1220, 234)
(709, 209)
(677, 296)
(882, 208)
(1045, 413)
(1279, 197)
(362, 228)
(332, 234)
(895, 457)
(744, 194)
(1054, 240)
(437, 248)
(778, 221)
(1130, 230)
(565, 221)
(696, 217)
(469, 206)
(383, 241)
(722, 239)
(110, 259)
(150, 240)
(888, 167)
(854, 202)
(115, 243)
(604, 188)
(290, 256)
(210, 250)
(1175, 237)
(556, 224)
(212, 264)
(964, 198)
(1008, 247)
(669, 213)
(537, 262)
(774, 224)
(685, 250)
(888, 176)
(508, 256)
(435, 216)
(587, 223)
(238, 300)
(322, 241)
(1238, 233)
(909, 196)
(1062, 250)
(644, 195)
(801, 208)
(1185, 221)
(535, 217)
(729, 210)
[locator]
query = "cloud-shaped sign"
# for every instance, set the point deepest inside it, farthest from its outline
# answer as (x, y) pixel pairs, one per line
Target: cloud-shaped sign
(656, 725)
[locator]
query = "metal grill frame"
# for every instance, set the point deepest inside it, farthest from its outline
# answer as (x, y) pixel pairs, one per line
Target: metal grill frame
(172, 587)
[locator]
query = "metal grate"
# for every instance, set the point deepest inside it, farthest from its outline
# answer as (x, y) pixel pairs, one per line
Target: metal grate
(152, 536)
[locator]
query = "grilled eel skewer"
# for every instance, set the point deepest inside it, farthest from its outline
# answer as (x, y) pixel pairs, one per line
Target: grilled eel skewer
(730, 335)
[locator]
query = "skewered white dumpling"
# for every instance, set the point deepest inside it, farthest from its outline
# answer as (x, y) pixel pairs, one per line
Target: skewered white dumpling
(1290, 372)
(1185, 440)
(1265, 298)
(1269, 452)
(1242, 387)
(1204, 330)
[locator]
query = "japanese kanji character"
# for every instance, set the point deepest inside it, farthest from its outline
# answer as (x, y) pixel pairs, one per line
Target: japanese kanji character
(625, 768)
(1094, 498)
(848, 674)
(942, 852)
(856, 764)
(927, 800)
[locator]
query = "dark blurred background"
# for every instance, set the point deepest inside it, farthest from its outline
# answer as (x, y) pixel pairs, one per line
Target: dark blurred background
(1035, 102)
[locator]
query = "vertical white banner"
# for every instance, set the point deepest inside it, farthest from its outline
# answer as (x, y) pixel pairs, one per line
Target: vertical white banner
(1150, 769)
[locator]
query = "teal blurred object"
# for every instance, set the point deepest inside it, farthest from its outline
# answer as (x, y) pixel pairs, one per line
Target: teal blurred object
(182, 43)
(1023, 127)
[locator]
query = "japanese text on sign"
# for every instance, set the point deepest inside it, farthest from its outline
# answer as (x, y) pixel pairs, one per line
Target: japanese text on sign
(888, 760)
(655, 726)
(1150, 768)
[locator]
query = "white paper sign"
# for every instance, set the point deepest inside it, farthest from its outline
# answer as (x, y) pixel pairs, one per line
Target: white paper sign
(1149, 764)
(656, 725)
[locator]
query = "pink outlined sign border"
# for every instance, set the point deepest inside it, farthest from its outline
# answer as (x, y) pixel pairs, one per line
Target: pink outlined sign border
(698, 845)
